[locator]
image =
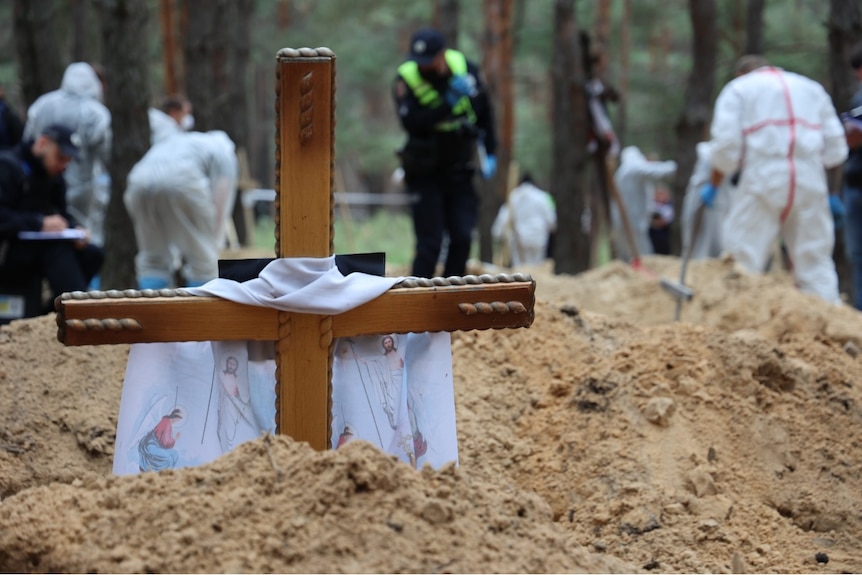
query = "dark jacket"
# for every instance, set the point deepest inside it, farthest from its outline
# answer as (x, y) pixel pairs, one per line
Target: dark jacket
(453, 149)
(28, 192)
(853, 165)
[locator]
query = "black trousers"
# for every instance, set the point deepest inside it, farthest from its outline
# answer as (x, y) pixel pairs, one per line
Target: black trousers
(660, 238)
(58, 261)
(447, 203)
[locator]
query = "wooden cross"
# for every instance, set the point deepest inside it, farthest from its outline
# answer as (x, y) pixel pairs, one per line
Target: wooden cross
(304, 214)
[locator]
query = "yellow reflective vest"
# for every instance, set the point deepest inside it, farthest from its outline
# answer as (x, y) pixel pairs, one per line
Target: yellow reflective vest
(431, 98)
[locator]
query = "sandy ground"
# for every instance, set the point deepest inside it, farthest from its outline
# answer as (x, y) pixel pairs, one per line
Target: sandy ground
(605, 438)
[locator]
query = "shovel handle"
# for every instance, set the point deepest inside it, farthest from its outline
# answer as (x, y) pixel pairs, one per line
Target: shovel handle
(695, 232)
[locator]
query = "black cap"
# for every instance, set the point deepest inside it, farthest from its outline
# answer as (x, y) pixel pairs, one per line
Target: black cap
(425, 45)
(67, 140)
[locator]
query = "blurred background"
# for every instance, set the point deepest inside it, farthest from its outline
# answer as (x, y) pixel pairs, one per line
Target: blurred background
(661, 63)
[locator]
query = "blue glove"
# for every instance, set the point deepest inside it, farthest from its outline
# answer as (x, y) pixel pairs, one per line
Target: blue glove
(836, 206)
(459, 86)
(707, 194)
(490, 166)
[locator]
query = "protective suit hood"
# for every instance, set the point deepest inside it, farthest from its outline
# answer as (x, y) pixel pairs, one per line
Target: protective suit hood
(631, 154)
(80, 79)
(162, 126)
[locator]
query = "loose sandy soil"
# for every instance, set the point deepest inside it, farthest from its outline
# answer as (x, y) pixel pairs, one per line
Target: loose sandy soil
(604, 438)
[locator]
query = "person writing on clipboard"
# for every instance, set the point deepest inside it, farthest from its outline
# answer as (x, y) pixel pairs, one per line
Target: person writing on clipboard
(38, 236)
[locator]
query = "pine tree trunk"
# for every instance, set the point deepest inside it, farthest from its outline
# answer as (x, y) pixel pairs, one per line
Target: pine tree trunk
(79, 30)
(497, 66)
(218, 35)
(569, 110)
(39, 64)
(169, 46)
(754, 27)
(204, 52)
(601, 37)
(844, 30)
(125, 28)
(446, 20)
(625, 50)
(693, 126)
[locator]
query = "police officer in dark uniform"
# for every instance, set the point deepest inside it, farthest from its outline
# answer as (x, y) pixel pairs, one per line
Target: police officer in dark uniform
(443, 106)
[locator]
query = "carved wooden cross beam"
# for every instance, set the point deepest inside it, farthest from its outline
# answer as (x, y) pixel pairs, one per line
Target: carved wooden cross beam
(304, 214)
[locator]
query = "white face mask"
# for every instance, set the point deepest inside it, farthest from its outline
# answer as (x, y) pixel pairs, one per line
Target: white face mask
(188, 122)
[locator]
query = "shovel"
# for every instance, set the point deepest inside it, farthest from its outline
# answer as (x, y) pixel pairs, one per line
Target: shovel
(624, 218)
(679, 290)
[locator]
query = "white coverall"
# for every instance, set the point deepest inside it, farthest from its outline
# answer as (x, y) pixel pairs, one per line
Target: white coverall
(526, 221)
(180, 193)
(635, 179)
(161, 125)
(78, 105)
(707, 244)
(781, 130)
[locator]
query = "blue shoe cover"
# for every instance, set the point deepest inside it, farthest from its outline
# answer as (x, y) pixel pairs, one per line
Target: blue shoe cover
(151, 282)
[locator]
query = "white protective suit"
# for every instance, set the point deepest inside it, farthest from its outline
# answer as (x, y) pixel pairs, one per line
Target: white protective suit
(526, 221)
(180, 194)
(161, 125)
(635, 180)
(781, 130)
(707, 244)
(78, 105)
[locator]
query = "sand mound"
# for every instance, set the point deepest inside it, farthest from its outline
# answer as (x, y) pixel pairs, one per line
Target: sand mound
(604, 438)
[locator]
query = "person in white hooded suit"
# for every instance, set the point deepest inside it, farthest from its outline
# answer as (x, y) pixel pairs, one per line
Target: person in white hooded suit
(781, 131)
(635, 179)
(179, 194)
(78, 105)
(526, 221)
(173, 115)
(707, 244)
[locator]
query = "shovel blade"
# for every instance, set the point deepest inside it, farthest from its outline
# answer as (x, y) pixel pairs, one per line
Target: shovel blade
(677, 290)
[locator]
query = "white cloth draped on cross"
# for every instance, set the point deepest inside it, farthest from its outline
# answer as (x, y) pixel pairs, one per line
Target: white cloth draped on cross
(186, 403)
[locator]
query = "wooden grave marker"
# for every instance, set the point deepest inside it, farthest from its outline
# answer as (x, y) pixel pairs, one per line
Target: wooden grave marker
(305, 121)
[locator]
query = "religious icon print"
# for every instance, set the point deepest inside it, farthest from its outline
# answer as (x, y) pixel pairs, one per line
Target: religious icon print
(186, 403)
(388, 389)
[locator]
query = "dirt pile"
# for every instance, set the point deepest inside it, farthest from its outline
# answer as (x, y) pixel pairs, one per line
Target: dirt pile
(604, 438)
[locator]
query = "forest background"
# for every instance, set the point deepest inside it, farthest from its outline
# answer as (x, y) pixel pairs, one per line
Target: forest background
(665, 59)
